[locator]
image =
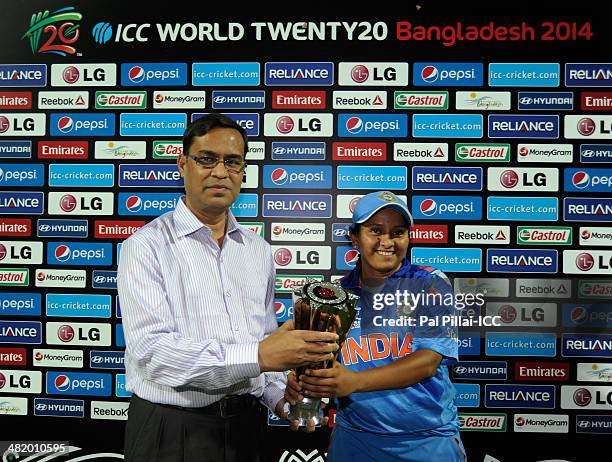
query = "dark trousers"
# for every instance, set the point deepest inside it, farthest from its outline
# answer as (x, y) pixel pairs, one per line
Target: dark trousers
(161, 433)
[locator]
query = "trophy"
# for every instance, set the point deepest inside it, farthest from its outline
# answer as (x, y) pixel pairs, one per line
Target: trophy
(324, 307)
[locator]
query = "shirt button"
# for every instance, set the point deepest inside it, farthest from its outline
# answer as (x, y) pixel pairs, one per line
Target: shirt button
(228, 294)
(235, 328)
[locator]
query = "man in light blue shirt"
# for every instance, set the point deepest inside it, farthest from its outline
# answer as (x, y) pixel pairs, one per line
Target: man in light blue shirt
(197, 298)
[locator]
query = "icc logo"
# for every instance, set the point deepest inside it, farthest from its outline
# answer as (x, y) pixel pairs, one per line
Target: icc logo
(54, 33)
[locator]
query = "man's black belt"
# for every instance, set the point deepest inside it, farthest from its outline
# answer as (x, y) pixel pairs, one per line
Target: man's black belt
(227, 406)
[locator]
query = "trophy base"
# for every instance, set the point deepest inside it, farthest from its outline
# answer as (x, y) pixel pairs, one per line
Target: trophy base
(306, 410)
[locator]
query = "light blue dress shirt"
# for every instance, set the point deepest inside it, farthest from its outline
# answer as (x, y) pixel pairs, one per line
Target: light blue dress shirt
(194, 313)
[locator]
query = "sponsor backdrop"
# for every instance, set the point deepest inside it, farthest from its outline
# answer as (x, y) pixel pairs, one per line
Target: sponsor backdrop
(495, 127)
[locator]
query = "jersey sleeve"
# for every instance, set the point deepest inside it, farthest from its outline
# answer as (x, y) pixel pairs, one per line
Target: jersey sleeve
(435, 329)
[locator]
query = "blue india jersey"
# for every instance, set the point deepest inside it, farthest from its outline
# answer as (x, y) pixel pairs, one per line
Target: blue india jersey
(426, 408)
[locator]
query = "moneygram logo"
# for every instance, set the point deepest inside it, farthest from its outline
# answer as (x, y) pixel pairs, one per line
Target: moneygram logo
(62, 27)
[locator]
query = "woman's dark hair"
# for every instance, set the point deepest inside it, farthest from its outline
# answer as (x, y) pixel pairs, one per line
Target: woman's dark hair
(354, 229)
(203, 125)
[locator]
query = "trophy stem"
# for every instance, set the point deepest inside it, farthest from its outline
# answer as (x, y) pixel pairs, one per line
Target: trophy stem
(308, 409)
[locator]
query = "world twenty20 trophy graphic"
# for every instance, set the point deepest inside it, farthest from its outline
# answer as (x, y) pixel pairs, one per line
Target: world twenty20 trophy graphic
(325, 307)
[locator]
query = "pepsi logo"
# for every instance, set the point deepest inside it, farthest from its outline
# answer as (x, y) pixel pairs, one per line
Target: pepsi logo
(353, 203)
(1, 174)
(279, 176)
(65, 333)
(62, 382)
(159, 98)
(38, 356)
(428, 207)
(360, 73)
(285, 124)
(65, 124)
(280, 308)
(351, 256)
(40, 276)
(4, 124)
(520, 421)
(580, 180)
(523, 151)
(277, 230)
(68, 203)
(578, 314)
(582, 397)
(586, 126)
(507, 313)
(71, 74)
(509, 178)
(354, 125)
(2, 380)
(136, 74)
(585, 261)
(3, 252)
(429, 74)
(282, 256)
(586, 234)
(133, 203)
(62, 252)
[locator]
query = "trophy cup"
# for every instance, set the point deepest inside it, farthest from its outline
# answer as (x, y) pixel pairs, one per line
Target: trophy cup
(324, 307)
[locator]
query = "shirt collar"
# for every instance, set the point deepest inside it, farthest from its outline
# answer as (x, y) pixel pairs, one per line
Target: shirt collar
(187, 223)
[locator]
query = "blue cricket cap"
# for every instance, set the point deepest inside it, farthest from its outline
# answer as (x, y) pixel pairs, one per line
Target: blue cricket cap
(371, 203)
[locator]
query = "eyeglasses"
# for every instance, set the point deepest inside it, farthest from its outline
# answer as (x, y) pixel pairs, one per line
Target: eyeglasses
(232, 165)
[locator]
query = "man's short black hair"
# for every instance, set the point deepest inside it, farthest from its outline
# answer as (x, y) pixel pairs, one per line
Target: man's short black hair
(203, 125)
